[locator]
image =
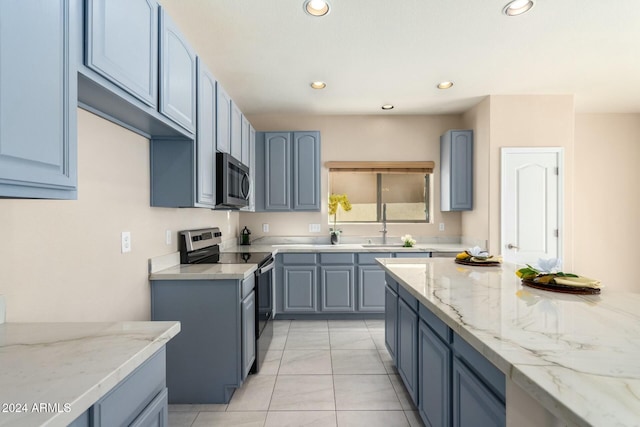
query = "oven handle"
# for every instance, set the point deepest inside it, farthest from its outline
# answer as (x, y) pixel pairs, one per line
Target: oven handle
(267, 267)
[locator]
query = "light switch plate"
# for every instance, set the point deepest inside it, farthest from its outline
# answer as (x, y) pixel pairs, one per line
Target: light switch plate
(441, 226)
(125, 242)
(265, 228)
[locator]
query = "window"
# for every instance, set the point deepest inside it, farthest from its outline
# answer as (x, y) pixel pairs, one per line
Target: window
(404, 191)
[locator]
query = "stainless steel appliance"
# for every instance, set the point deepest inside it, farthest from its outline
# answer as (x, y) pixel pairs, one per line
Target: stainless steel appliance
(232, 182)
(203, 247)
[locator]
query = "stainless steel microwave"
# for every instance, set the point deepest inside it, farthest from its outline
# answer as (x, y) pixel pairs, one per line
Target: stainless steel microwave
(232, 182)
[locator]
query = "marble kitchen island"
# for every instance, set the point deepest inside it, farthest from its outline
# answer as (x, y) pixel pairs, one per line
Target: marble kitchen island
(52, 373)
(567, 359)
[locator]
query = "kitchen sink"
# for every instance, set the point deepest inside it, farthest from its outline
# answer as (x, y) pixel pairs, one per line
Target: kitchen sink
(380, 245)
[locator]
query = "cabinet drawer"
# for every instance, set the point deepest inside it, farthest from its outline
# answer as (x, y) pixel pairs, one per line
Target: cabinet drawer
(247, 286)
(370, 257)
(156, 414)
(330, 258)
(491, 375)
(413, 254)
(298, 259)
(408, 298)
(122, 404)
(434, 322)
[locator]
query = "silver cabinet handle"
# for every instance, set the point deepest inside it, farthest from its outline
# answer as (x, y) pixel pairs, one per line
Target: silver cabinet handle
(510, 246)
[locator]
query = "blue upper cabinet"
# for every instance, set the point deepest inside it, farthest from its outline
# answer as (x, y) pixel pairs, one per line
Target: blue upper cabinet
(38, 135)
(456, 170)
(122, 45)
(206, 137)
(288, 165)
(277, 165)
(306, 171)
(223, 114)
(177, 74)
(236, 131)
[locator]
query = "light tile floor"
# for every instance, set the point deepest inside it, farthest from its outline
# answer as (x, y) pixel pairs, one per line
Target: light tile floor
(317, 373)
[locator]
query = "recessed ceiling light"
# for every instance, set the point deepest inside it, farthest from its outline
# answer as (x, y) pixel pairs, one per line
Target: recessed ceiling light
(445, 85)
(316, 7)
(318, 85)
(517, 7)
(387, 107)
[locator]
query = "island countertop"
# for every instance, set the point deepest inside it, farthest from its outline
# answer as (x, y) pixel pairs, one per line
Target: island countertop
(577, 355)
(69, 365)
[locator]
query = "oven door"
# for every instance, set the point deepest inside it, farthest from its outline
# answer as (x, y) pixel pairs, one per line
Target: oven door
(264, 284)
(264, 311)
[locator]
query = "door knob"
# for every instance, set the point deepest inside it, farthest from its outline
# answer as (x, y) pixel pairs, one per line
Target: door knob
(510, 246)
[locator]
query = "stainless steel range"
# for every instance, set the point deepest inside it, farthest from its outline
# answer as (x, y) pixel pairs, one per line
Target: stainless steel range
(203, 247)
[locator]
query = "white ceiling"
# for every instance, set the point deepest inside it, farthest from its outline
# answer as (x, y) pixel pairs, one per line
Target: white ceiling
(265, 53)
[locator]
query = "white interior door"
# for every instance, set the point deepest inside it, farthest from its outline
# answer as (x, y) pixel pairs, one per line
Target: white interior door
(531, 204)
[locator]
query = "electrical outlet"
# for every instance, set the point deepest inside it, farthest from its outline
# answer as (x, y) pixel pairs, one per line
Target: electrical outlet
(125, 241)
(265, 228)
(314, 228)
(167, 237)
(441, 226)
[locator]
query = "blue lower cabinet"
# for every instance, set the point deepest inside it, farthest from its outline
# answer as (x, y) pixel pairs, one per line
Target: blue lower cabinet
(407, 350)
(371, 284)
(248, 333)
(434, 378)
(337, 288)
(391, 322)
(474, 404)
(205, 361)
(142, 392)
(156, 414)
(300, 289)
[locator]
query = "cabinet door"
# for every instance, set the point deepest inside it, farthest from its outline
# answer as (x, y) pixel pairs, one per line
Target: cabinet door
(248, 333)
(38, 87)
(473, 402)
(456, 159)
(156, 414)
(300, 289)
(337, 288)
(306, 171)
(371, 284)
(434, 378)
(223, 114)
(205, 137)
(407, 350)
(246, 137)
(122, 45)
(391, 322)
(178, 74)
(236, 131)
(277, 171)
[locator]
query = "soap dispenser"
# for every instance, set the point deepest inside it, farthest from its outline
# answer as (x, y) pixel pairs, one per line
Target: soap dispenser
(244, 237)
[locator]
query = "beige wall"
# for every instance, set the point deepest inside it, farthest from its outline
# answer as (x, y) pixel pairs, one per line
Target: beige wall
(373, 138)
(607, 202)
(517, 121)
(475, 223)
(61, 260)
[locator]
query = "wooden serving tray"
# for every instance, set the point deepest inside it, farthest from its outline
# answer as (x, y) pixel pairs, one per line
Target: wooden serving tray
(478, 264)
(554, 287)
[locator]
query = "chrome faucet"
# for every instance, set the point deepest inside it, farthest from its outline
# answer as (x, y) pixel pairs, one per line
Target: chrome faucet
(384, 224)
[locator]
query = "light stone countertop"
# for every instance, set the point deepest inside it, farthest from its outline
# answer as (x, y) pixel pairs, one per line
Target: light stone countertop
(168, 267)
(205, 272)
(577, 355)
(70, 363)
